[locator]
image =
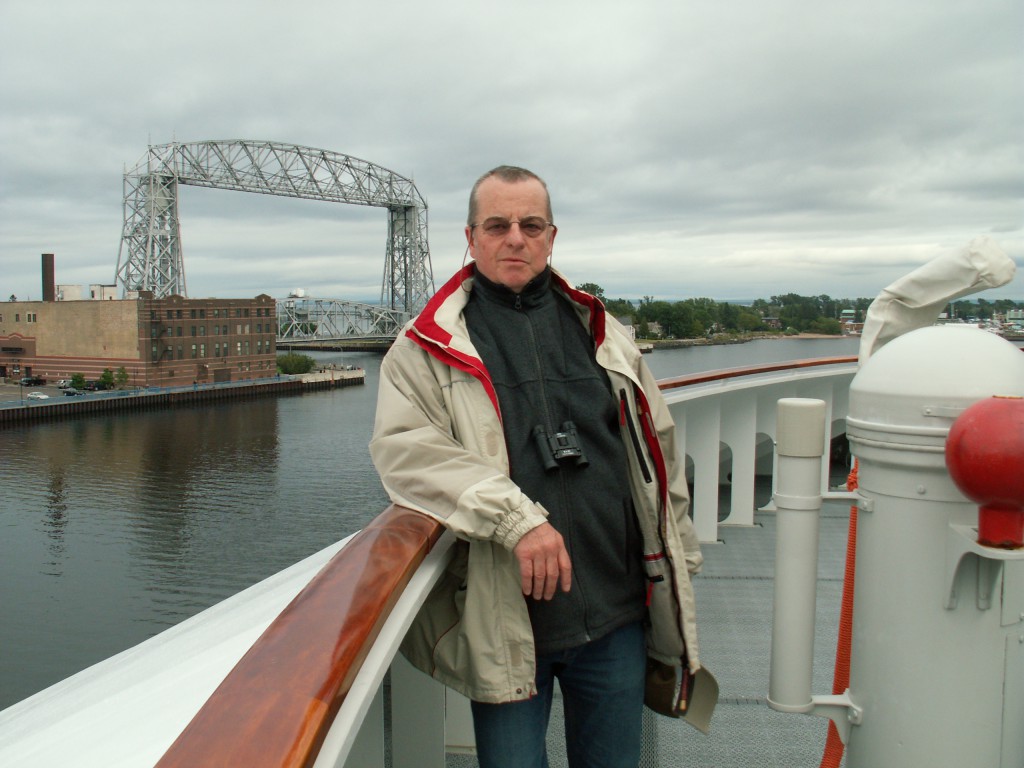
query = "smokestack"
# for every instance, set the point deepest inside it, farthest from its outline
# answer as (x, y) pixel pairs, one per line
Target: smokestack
(49, 285)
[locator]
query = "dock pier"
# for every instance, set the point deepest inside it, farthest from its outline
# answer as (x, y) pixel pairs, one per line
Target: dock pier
(59, 407)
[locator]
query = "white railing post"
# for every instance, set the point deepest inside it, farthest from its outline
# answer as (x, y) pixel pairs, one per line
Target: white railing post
(368, 749)
(417, 718)
(703, 428)
(801, 429)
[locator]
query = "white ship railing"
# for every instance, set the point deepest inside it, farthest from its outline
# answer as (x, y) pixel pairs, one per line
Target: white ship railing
(725, 422)
(305, 685)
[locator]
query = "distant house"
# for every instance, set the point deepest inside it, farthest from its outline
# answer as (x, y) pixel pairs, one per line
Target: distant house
(654, 330)
(848, 321)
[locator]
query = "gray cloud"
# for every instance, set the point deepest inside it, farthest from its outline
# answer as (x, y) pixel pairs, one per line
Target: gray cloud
(731, 150)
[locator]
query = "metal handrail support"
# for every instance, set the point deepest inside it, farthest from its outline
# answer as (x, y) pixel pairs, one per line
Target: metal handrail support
(798, 500)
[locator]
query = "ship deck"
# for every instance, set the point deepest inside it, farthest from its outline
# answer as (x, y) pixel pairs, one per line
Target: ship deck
(734, 611)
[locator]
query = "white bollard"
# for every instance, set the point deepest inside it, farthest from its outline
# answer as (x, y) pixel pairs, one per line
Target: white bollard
(800, 446)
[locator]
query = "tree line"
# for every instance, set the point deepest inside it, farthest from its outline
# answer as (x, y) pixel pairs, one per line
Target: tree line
(789, 313)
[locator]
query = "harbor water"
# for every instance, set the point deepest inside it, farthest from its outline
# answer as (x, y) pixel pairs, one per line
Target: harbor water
(114, 527)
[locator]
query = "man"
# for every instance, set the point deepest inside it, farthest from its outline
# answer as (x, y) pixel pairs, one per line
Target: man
(520, 416)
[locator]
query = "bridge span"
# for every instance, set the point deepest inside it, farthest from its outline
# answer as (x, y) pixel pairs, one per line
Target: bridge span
(150, 257)
(336, 324)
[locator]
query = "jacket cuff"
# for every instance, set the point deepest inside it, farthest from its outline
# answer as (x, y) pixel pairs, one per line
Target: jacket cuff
(516, 524)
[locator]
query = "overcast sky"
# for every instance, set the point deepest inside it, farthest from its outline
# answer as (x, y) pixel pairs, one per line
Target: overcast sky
(733, 149)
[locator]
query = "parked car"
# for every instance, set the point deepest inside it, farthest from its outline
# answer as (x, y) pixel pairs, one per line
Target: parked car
(32, 381)
(72, 392)
(64, 383)
(37, 396)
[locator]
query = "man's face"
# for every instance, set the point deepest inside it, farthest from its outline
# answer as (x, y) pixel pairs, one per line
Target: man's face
(512, 258)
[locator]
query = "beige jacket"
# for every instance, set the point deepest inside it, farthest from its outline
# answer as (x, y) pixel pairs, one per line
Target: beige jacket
(439, 447)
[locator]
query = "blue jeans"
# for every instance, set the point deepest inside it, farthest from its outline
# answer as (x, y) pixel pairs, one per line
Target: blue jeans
(602, 694)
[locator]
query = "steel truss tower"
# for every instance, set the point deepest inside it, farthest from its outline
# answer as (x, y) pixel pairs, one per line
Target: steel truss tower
(150, 257)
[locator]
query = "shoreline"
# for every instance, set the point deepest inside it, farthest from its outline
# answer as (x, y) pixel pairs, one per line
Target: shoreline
(15, 410)
(721, 339)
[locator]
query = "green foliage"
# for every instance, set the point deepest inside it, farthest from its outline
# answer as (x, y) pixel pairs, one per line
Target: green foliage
(701, 317)
(620, 308)
(294, 363)
(592, 288)
(78, 380)
(825, 325)
(107, 378)
(121, 377)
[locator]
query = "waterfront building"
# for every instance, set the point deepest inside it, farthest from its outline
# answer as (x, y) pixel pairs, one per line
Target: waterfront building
(171, 341)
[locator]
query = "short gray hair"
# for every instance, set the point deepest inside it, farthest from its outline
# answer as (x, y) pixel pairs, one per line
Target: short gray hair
(510, 174)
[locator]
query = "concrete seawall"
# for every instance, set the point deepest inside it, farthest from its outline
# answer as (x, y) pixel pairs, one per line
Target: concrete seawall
(58, 407)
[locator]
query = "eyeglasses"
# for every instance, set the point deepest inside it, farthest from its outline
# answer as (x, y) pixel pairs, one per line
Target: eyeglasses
(499, 226)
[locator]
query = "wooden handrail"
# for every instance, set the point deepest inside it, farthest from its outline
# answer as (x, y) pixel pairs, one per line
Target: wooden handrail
(277, 704)
(749, 370)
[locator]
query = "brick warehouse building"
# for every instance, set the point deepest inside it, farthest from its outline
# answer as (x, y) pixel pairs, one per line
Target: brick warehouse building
(159, 342)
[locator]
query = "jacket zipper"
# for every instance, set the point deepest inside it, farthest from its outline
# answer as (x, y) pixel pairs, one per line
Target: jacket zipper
(626, 419)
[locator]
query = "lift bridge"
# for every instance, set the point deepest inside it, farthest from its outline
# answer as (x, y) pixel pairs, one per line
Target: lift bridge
(150, 257)
(336, 324)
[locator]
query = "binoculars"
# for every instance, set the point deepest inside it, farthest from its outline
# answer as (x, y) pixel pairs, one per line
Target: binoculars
(561, 446)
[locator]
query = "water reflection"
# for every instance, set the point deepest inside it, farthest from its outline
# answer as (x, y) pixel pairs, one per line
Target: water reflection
(191, 463)
(56, 520)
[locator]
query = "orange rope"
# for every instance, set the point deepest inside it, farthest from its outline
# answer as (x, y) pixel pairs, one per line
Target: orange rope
(841, 681)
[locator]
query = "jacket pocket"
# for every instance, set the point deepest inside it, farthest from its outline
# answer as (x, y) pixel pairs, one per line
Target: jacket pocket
(664, 638)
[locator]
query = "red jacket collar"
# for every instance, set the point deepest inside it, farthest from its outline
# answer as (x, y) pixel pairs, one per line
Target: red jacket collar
(429, 327)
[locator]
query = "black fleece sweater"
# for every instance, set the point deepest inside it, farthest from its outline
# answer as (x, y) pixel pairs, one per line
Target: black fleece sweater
(541, 360)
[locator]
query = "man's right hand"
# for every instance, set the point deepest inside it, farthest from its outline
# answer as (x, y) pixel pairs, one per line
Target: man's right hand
(543, 562)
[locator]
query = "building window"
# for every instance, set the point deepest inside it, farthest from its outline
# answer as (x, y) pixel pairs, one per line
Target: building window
(179, 330)
(216, 313)
(193, 351)
(202, 350)
(192, 314)
(202, 330)
(224, 330)
(170, 314)
(216, 349)
(153, 354)
(202, 314)
(181, 352)
(193, 330)
(216, 330)
(178, 314)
